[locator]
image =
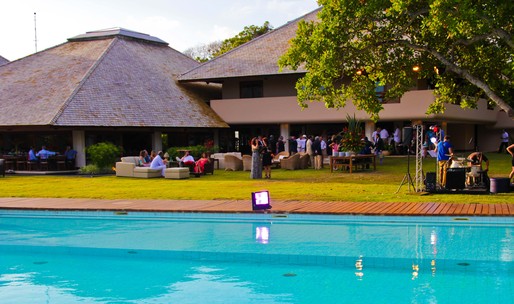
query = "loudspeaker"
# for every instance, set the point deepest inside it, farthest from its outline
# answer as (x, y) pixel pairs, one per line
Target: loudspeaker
(407, 136)
(430, 181)
(455, 178)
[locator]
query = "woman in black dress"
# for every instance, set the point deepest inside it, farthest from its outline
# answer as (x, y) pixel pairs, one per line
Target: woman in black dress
(267, 158)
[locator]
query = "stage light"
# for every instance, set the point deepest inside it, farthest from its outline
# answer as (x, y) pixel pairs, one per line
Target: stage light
(261, 200)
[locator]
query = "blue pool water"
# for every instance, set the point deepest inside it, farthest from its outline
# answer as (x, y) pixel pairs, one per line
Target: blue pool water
(106, 257)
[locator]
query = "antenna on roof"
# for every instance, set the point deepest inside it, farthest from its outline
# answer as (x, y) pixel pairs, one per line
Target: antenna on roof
(35, 32)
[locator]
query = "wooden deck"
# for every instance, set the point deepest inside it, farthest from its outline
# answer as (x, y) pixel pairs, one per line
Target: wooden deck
(241, 206)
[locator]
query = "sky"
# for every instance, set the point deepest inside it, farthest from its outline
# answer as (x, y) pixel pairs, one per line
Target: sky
(183, 24)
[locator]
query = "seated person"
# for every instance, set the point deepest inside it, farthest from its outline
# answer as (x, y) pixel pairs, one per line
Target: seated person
(142, 161)
(186, 160)
(32, 155)
(147, 157)
(368, 145)
(159, 163)
(44, 153)
(476, 159)
(200, 164)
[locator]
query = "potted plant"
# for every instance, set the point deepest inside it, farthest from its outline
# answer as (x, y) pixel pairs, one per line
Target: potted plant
(351, 136)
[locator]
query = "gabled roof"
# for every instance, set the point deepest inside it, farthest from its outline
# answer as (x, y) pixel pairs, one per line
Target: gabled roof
(114, 80)
(3, 60)
(257, 57)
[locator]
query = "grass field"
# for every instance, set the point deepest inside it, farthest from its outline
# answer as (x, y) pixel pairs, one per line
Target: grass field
(304, 185)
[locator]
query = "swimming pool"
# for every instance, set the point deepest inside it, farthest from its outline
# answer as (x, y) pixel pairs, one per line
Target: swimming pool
(109, 257)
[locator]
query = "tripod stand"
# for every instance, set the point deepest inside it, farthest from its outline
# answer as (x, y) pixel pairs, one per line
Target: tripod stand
(407, 178)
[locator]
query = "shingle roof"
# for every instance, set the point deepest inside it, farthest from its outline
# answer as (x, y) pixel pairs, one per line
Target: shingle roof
(112, 81)
(254, 58)
(3, 60)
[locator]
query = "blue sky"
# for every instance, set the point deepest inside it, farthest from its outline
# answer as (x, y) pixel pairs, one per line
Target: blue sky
(183, 24)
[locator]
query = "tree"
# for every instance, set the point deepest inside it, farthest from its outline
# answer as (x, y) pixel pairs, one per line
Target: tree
(464, 46)
(247, 34)
(205, 52)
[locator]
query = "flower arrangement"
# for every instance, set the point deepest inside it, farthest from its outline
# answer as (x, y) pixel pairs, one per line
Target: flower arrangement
(351, 136)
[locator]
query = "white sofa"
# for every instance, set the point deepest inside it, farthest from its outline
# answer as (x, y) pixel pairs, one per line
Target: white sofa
(127, 167)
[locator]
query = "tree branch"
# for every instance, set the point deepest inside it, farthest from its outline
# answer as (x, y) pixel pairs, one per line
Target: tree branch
(463, 73)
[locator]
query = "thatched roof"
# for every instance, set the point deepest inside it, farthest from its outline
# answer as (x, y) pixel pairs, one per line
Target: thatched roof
(114, 78)
(258, 57)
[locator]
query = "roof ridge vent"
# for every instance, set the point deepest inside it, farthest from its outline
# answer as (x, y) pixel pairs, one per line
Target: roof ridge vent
(116, 31)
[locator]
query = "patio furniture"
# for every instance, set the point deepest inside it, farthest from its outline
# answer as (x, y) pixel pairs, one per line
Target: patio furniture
(304, 161)
(276, 159)
(350, 162)
(177, 173)
(233, 163)
(247, 163)
(127, 168)
(291, 162)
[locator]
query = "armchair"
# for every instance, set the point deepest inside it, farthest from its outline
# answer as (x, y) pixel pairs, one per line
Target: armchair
(247, 163)
(290, 163)
(233, 163)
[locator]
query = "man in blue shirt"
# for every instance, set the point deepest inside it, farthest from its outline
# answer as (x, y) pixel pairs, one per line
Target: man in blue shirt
(70, 155)
(32, 155)
(44, 153)
(444, 150)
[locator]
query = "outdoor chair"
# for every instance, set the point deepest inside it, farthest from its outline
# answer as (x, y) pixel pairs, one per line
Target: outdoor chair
(280, 155)
(304, 161)
(247, 163)
(291, 162)
(209, 167)
(233, 163)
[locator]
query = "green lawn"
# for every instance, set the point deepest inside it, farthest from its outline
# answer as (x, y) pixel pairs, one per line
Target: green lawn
(308, 185)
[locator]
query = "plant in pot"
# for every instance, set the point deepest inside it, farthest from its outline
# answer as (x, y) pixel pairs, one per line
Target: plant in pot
(351, 136)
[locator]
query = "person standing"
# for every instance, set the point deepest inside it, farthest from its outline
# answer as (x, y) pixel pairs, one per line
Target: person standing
(280, 144)
(510, 149)
(444, 150)
(324, 153)
(308, 149)
(267, 159)
(317, 153)
(504, 141)
(70, 155)
(256, 171)
(397, 138)
(293, 145)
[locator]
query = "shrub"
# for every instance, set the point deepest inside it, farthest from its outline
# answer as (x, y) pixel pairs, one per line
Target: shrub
(104, 154)
(94, 170)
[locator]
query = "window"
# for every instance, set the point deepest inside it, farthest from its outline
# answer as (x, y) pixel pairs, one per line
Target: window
(250, 89)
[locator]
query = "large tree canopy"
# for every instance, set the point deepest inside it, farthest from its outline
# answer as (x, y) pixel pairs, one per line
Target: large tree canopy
(465, 47)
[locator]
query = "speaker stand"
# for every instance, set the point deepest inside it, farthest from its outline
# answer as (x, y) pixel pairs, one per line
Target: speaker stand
(407, 178)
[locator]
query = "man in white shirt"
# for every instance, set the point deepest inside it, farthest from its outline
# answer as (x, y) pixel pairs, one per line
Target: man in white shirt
(301, 143)
(504, 141)
(159, 163)
(385, 136)
(323, 150)
(397, 138)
